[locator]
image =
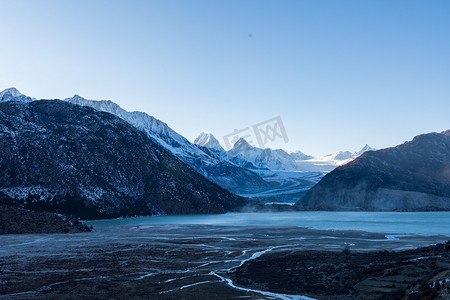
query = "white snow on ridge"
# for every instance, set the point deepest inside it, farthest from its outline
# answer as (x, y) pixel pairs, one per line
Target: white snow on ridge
(154, 128)
(339, 158)
(12, 94)
(364, 149)
(248, 156)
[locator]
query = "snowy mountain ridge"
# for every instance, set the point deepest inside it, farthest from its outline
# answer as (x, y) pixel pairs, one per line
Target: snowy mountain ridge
(12, 94)
(341, 157)
(154, 128)
(251, 157)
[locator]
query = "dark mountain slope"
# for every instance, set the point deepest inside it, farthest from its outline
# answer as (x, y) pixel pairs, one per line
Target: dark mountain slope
(414, 175)
(63, 157)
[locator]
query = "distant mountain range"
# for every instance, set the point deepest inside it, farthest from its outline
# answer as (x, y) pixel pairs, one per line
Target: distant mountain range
(411, 176)
(247, 156)
(233, 170)
(244, 170)
(291, 173)
(62, 157)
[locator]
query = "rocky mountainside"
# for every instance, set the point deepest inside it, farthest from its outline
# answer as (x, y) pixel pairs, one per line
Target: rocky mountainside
(67, 158)
(16, 220)
(411, 176)
(210, 165)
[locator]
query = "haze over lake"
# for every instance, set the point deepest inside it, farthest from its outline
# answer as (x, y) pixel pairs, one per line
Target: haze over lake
(419, 223)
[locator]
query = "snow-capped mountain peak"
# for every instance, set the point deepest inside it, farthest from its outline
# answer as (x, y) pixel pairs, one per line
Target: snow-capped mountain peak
(365, 149)
(12, 94)
(242, 144)
(208, 140)
(244, 154)
(339, 158)
(299, 155)
(77, 97)
(343, 155)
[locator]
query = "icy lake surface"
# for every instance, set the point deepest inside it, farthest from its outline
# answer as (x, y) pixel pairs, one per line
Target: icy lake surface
(418, 223)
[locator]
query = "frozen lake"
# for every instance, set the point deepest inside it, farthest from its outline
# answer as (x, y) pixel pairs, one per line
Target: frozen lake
(417, 223)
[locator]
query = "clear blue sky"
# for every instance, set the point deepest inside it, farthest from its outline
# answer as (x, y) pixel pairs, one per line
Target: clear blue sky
(339, 73)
